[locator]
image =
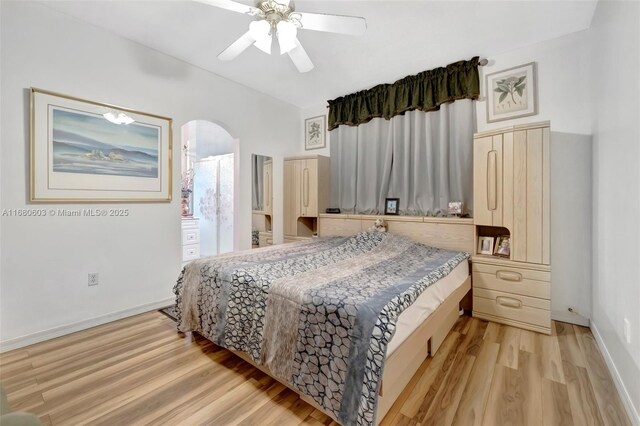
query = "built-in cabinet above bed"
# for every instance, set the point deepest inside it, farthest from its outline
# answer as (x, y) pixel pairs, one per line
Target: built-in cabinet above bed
(512, 199)
(306, 194)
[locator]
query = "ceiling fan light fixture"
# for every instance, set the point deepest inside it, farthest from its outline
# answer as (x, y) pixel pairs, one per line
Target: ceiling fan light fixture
(260, 31)
(287, 33)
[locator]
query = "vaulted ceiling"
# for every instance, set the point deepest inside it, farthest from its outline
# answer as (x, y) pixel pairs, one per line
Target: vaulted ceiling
(402, 38)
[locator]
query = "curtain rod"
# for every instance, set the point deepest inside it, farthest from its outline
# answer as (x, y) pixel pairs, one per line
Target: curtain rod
(483, 62)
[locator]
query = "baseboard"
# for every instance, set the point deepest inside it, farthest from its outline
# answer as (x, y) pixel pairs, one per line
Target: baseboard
(52, 333)
(632, 411)
(570, 318)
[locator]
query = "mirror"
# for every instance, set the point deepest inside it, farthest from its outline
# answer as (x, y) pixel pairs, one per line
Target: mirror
(262, 200)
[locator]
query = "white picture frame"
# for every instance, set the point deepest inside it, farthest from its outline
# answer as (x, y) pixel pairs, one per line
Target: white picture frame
(315, 129)
(512, 93)
(79, 156)
(485, 245)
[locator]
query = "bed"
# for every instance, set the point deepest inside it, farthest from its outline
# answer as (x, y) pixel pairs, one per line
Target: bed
(343, 321)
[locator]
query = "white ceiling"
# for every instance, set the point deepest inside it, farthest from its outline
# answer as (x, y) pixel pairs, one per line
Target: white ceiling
(402, 38)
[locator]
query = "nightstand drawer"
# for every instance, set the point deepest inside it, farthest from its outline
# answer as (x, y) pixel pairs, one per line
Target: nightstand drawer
(512, 280)
(524, 309)
(190, 252)
(190, 236)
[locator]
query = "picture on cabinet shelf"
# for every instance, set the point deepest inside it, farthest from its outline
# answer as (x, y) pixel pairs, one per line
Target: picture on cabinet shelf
(503, 246)
(391, 206)
(485, 245)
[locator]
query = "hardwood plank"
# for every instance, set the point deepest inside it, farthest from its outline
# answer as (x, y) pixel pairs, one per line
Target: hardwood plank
(516, 395)
(556, 408)
(584, 407)
(529, 341)
(445, 404)
(492, 332)
(430, 382)
(568, 342)
(609, 402)
(474, 399)
(509, 347)
(551, 359)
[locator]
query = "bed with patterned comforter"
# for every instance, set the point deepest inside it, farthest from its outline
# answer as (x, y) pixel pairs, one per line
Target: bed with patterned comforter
(319, 314)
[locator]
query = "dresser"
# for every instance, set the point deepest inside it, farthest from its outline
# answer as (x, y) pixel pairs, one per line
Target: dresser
(190, 239)
(511, 197)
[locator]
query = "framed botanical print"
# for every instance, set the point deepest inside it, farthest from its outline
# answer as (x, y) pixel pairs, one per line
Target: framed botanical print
(314, 132)
(512, 93)
(86, 151)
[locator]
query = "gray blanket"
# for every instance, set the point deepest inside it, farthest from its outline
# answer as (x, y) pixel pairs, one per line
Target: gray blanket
(319, 314)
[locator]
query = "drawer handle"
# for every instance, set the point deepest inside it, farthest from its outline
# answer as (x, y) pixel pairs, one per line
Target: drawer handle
(508, 301)
(509, 276)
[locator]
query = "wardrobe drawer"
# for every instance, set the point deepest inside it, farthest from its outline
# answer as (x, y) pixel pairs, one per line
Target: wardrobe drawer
(511, 281)
(190, 236)
(525, 273)
(190, 252)
(525, 309)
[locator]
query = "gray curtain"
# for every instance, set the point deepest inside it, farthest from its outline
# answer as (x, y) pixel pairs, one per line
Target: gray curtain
(423, 158)
(257, 167)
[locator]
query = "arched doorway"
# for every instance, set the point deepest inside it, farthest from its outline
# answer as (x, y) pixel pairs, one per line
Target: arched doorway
(208, 189)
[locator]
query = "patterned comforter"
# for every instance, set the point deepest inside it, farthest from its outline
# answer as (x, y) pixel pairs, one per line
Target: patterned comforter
(319, 314)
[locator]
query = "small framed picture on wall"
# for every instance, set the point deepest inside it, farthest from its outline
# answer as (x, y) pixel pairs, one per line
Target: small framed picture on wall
(485, 245)
(391, 206)
(315, 132)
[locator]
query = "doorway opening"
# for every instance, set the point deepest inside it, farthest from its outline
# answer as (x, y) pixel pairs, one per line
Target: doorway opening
(208, 190)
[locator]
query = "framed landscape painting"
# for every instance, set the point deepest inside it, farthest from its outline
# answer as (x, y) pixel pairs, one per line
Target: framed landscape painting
(314, 132)
(511, 93)
(85, 151)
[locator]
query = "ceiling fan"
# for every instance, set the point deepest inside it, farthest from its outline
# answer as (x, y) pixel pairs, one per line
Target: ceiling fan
(279, 18)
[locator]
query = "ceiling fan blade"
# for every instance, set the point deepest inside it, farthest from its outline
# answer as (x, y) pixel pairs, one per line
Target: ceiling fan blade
(237, 47)
(300, 58)
(234, 6)
(350, 25)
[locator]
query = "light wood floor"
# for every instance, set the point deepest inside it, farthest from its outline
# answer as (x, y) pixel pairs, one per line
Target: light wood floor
(140, 371)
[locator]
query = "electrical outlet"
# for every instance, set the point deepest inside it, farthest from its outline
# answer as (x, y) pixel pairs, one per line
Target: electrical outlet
(627, 331)
(93, 278)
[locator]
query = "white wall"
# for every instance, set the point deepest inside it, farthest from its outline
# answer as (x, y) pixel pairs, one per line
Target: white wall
(45, 261)
(615, 56)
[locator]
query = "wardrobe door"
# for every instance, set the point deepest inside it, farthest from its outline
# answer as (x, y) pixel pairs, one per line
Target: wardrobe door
(487, 181)
(309, 195)
(291, 196)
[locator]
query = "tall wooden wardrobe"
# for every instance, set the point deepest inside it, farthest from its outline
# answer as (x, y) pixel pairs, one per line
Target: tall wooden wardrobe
(307, 187)
(511, 197)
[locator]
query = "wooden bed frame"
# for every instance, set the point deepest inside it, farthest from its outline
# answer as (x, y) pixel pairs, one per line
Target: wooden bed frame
(402, 364)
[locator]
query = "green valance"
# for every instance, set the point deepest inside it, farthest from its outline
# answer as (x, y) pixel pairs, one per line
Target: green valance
(425, 91)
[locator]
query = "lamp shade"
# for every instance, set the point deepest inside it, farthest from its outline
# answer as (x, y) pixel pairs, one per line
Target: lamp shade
(260, 31)
(287, 33)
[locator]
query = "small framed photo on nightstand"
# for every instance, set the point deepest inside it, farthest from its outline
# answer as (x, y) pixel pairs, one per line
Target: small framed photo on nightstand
(503, 246)
(391, 206)
(485, 245)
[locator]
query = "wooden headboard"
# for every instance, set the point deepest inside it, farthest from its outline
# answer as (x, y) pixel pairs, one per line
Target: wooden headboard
(443, 232)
